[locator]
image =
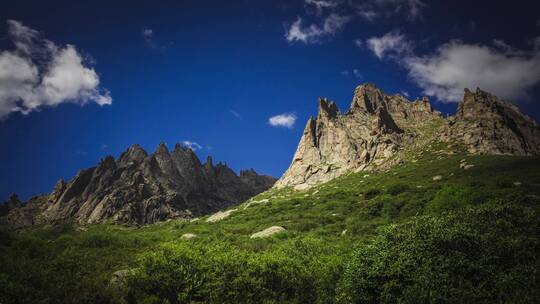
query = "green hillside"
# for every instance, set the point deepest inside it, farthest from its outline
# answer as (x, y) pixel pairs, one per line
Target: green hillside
(426, 231)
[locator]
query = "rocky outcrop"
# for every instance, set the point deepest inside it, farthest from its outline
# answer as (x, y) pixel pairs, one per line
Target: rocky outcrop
(141, 188)
(367, 136)
(488, 125)
(12, 203)
(378, 129)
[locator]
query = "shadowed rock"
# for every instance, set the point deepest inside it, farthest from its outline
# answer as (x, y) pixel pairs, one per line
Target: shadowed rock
(139, 188)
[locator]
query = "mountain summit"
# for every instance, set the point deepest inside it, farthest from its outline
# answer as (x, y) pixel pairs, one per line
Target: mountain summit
(141, 188)
(380, 130)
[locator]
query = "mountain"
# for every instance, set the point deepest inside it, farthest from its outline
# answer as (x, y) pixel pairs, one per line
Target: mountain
(380, 131)
(138, 188)
(449, 212)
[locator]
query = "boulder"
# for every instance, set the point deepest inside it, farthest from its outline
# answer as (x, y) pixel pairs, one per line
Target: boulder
(220, 215)
(188, 236)
(268, 232)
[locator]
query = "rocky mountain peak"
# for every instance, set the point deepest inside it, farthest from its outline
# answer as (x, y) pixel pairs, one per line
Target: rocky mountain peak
(162, 149)
(378, 130)
(489, 125)
(133, 155)
(139, 188)
(209, 164)
(368, 98)
(327, 108)
(13, 202)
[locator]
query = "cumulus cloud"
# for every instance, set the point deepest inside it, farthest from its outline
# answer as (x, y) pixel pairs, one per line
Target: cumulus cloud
(392, 43)
(286, 120)
(314, 33)
(333, 15)
(192, 145)
(38, 73)
(373, 9)
(321, 5)
(500, 69)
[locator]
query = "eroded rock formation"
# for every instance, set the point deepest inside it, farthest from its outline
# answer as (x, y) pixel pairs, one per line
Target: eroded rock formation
(379, 128)
(141, 188)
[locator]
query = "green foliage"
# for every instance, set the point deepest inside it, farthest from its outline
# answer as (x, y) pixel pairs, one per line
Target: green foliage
(448, 233)
(487, 254)
(396, 189)
(173, 273)
(296, 272)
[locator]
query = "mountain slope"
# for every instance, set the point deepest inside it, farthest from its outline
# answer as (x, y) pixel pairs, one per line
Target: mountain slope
(380, 130)
(482, 219)
(139, 188)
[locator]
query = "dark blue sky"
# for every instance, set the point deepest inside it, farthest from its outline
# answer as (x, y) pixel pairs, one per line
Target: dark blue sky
(205, 60)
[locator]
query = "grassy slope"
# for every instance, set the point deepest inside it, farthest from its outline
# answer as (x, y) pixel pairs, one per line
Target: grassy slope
(357, 203)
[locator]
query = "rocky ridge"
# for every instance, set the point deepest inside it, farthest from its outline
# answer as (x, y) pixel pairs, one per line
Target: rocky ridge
(142, 188)
(379, 130)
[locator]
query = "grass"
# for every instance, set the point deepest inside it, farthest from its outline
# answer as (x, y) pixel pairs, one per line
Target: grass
(340, 216)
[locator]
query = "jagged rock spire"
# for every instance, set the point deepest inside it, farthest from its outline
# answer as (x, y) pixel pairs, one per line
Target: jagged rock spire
(368, 98)
(141, 188)
(327, 108)
(379, 126)
(488, 125)
(133, 155)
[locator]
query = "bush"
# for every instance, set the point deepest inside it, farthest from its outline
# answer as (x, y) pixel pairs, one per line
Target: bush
(486, 254)
(295, 272)
(450, 197)
(173, 273)
(396, 189)
(371, 193)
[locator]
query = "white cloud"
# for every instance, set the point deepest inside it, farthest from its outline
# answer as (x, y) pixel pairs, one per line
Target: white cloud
(192, 145)
(235, 114)
(286, 120)
(316, 33)
(39, 73)
(320, 5)
(391, 43)
(500, 69)
(330, 17)
(149, 39)
(373, 9)
(367, 14)
(357, 73)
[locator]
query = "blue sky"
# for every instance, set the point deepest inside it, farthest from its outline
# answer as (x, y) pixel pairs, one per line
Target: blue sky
(214, 74)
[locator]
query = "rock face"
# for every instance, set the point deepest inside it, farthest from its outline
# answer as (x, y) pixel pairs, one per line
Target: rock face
(138, 188)
(368, 135)
(378, 129)
(488, 125)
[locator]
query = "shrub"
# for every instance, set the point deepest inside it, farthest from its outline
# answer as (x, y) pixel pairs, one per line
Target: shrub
(486, 254)
(371, 193)
(396, 189)
(181, 273)
(174, 273)
(450, 197)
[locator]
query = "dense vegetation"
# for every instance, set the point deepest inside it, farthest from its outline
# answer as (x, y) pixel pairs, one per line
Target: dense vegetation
(387, 237)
